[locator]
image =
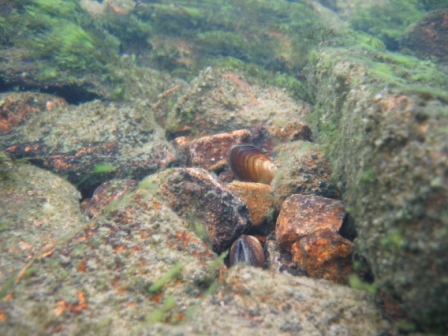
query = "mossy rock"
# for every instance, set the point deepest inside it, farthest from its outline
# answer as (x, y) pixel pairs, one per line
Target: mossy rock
(383, 119)
(57, 47)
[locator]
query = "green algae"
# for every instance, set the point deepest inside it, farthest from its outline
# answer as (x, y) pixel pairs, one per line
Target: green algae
(103, 168)
(387, 22)
(185, 38)
(168, 276)
(58, 41)
(356, 283)
(395, 222)
(159, 315)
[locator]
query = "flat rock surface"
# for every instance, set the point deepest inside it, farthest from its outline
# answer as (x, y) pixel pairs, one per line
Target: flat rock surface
(303, 169)
(258, 198)
(108, 192)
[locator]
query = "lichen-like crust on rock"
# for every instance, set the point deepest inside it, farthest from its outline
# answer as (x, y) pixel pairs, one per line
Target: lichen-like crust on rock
(389, 153)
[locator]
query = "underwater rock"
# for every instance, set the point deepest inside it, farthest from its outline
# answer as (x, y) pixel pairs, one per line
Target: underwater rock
(39, 211)
(92, 143)
(211, 152)
(254, 301)
(258, 198)
(388, 150)
(303, 169)
(122, 268)
(217, 214)
(428, 36)
(110, 191)
(302, 215)
(324, 254)
(220, 102)
(17, 107)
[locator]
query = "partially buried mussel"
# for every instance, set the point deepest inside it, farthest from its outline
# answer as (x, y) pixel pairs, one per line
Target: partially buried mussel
(247, 249)
(250, 164)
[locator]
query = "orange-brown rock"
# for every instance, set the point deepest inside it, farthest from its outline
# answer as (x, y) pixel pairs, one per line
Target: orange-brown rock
(16, 107)
(210, 152)
(429, 36)
(109, 191)
(258, 198)
(324, 254)
(302, 215)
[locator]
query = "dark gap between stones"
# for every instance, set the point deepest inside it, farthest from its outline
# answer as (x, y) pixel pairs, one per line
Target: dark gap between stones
(73, 94)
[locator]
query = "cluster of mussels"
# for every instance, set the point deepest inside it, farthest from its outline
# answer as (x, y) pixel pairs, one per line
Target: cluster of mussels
(249, 164)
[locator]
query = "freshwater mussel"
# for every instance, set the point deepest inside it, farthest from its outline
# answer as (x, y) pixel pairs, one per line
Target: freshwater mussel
(250, 164)
(247, 249)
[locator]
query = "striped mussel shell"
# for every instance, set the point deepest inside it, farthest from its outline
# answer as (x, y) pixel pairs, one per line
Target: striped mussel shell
(250, 164)
(247, 249)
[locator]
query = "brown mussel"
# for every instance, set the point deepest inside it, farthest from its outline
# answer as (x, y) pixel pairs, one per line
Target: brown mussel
(247, 249)
(250, 164)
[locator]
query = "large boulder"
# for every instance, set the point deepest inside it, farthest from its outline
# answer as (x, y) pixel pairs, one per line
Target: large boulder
(383, 120)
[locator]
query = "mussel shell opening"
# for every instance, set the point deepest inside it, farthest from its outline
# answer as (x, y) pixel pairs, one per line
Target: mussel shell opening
(247, 249)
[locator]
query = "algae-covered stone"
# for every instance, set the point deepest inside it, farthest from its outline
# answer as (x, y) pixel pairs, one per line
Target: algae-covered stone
(383, 119)
(134, 266)
(38, 212)
(428, 36)
(303, 169)
(220, 101)
(253, 301)
(93, 142)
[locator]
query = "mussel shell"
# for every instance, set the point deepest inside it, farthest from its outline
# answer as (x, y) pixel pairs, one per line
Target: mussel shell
(247, 249)
(250, 164)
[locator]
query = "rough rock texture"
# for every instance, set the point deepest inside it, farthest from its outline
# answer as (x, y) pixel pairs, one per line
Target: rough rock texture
(291, 131)
(93, 142)
(196, 195)
(302, 169)
(390, 156)
(344, 8)
(211, 152)
(136, 265)
(219, 102)
(324, 254)
(253, 301)
(258, 198)
(110, 191)
(137, 269)
(16, 107)
(429, 36)
(302, 215)
(38, 211)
